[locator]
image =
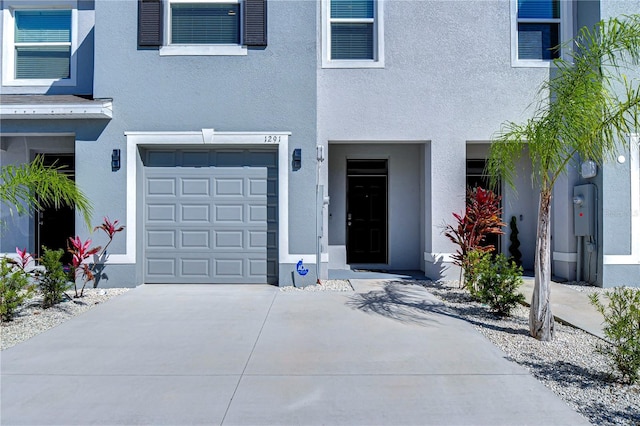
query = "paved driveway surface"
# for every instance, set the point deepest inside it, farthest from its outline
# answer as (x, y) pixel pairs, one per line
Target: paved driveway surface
(251, 355)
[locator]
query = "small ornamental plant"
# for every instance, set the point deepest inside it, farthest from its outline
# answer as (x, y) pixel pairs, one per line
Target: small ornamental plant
(15, 288)
(52, 281)
(81, 252)
(481, 218)
(622, 330)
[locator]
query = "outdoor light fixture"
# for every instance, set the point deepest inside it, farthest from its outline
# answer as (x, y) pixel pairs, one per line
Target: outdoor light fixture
(115, 160)
(297, 159)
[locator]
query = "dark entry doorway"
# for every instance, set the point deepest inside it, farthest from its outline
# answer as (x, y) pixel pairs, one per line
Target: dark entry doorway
(367, 211)
(55, 226)
(476, 176)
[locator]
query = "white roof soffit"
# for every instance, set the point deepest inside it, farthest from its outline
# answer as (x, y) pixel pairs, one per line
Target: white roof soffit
(71, 108)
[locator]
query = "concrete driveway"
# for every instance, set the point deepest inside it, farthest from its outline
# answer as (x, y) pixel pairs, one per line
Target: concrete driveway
(252, 355)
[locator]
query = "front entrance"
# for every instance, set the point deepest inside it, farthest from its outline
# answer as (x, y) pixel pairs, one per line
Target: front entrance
(55, 226)
(367, 211)
(476, 176)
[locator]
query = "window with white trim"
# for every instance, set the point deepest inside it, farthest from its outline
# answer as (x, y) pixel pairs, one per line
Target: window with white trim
(539, 28)
(38, 46)
(352, 36)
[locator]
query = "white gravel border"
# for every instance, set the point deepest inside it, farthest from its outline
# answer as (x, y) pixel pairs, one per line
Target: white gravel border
(31, 319)
(568, 365)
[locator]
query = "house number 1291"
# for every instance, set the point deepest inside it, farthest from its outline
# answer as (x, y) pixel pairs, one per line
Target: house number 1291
(272, 139)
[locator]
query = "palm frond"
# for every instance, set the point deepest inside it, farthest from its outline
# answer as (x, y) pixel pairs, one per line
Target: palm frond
(34, 185)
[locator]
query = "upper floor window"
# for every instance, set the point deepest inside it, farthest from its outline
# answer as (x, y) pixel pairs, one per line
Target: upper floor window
(202, 27)
(197, 27)
(540, 27)
(352, 36)
(38, 46)
(205, 23)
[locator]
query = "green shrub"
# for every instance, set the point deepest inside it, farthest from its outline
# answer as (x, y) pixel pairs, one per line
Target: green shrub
(497, 282)
(15, 288)
(53, 281)
(474, 263)
(622, 329)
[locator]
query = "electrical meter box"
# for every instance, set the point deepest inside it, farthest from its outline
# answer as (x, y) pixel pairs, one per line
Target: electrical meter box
(584, 210)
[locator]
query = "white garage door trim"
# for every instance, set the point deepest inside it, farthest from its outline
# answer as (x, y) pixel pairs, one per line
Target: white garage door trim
(208, 137)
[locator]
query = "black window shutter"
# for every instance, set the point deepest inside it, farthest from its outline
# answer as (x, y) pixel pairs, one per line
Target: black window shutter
(150, 26)
(255, 23)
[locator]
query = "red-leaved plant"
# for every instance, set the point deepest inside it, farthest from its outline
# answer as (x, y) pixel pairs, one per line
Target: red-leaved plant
(23, 258)
(82, 251)
(481, 218)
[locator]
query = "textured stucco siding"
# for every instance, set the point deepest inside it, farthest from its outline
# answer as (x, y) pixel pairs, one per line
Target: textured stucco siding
(267, 90)
(447, 80)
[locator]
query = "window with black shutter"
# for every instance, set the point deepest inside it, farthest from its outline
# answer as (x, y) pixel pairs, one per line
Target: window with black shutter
(193, 25)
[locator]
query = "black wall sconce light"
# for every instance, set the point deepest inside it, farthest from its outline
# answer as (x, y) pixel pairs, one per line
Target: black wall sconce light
(296, 162)
(115, 160)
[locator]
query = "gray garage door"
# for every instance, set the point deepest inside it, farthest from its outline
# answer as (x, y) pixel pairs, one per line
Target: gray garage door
(210, 216)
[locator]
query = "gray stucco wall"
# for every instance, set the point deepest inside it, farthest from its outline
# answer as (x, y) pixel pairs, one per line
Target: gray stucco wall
(443, 82)
(617, 235)
(267, 90)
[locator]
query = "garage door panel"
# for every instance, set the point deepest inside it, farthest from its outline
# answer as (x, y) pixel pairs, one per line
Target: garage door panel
(195, 213)
(230, 213)
(225, 187)
(229, 267)
(191, 239)
(161, 213)
(257, 239)
(257, 187)
(161, 239)
(228, 239)
(161, 186)
(161, 267)
(195, 268)
(257, 267)
(195, 187)
(159, 158)
(195, 158)
(211, 217)
(257, 214)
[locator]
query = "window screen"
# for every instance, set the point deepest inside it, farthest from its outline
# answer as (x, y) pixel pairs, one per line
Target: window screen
(538, 29)
(205, 23)
(352, 29)
(42, 44)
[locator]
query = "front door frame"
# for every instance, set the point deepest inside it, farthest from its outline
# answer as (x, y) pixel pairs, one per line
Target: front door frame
(372, 168)
(66, 213)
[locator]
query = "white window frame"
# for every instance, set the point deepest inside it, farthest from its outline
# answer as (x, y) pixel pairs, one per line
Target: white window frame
(200, 49)
(566, 32)
(8, 42)
(378, 39)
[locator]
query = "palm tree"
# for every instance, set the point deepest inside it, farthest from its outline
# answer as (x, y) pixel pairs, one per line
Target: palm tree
(35, 185)
(587, 108)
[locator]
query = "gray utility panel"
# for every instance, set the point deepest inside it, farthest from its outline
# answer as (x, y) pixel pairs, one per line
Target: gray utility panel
(210, 216)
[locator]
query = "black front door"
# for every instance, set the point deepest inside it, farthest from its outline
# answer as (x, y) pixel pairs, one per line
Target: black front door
(367, 218)
(55, 226)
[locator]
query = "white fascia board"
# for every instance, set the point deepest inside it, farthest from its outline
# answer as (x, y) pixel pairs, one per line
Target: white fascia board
(53, 111)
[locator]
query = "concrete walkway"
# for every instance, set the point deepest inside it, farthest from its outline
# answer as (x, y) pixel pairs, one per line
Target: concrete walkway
(386, 354)
(569, 306)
